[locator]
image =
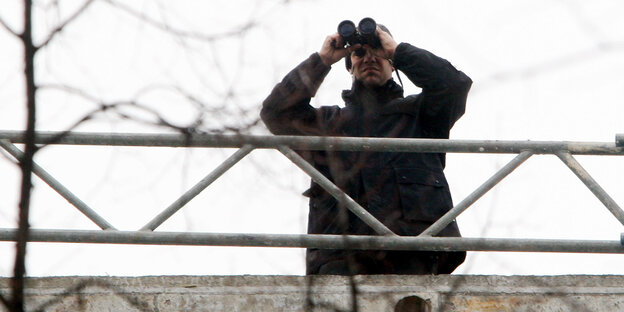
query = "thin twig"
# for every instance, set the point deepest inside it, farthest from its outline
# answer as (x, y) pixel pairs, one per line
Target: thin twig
(558, 63)
(19, 271)
(62, 25)
(8, 28)
(193, 127)
(186, 34)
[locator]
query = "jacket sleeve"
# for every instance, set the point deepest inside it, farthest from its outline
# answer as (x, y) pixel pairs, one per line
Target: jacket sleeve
(444, 88)
(287, 109)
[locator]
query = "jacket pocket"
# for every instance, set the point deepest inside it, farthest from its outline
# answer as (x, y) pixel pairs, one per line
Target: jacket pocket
(424, 193)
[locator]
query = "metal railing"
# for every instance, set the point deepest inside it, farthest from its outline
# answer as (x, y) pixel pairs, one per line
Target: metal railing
(286, 145)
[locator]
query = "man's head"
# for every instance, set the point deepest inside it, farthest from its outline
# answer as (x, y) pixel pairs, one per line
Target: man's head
(368, 68)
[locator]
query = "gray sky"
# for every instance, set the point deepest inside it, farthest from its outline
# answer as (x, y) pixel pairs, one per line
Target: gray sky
(542, 70)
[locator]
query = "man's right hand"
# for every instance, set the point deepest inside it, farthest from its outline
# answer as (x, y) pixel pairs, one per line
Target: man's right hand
(332, 50)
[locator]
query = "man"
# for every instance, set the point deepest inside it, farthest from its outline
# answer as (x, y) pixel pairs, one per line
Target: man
(407, 192)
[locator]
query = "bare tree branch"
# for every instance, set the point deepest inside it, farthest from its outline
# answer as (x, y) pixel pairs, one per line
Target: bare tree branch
(159, 119)
(19, 271)
(109, 106)
(195, 126)
(62, 25)
(187, 34)
(8, 28)
(548, 66)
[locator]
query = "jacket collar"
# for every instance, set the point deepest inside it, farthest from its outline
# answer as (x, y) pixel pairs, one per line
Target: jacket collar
(361, 95)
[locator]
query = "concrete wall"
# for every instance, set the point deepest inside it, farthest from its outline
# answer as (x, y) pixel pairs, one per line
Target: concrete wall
(329, 293)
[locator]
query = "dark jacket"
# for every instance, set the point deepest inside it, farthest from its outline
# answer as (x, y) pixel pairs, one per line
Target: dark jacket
(405, 191)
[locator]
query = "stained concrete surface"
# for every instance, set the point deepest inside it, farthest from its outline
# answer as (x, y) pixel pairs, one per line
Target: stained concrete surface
(452, 293)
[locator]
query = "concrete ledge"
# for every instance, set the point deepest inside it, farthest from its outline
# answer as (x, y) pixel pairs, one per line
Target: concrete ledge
(327, 293)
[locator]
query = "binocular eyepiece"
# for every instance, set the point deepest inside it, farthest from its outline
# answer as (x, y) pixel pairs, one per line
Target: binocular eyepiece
(363, 34)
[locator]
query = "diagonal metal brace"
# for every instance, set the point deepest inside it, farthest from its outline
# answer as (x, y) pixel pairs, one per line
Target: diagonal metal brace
(198, 188)
(59, 188)
(591, 184)
(335, 191)
(447, 218)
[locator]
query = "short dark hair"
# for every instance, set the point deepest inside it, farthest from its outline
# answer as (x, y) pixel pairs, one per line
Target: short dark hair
(348, 63)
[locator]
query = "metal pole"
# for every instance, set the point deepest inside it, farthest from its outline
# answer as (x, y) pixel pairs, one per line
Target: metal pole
(198, 188)
(592, 185)
(59, 188)
(447, 218)
(319, 143)
(336, 192)
(362, 242)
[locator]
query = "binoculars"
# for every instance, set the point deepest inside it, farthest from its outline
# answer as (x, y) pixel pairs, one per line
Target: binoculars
(363, 34)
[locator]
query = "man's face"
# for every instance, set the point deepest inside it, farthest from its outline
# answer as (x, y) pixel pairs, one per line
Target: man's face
(371, 70)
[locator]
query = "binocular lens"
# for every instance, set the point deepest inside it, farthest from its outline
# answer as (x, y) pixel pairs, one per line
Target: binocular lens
(363, 34)
(346, 29)
(367, 26)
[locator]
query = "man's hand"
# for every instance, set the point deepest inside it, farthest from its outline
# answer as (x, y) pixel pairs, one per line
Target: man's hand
(332, 50)
(388, 45)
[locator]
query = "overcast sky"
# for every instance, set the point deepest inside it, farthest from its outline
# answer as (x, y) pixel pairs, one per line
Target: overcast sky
(542, 70)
